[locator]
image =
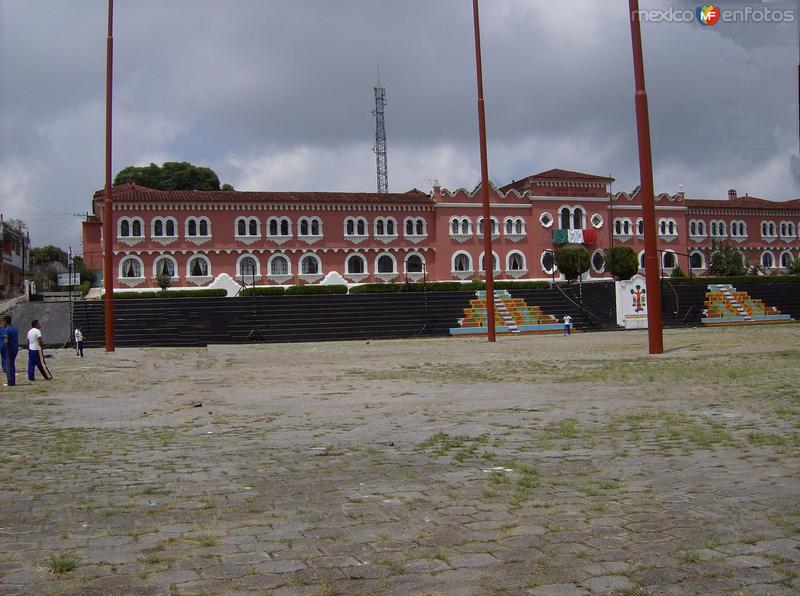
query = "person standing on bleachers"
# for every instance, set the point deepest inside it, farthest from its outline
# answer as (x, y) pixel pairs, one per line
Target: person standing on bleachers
(10, 348)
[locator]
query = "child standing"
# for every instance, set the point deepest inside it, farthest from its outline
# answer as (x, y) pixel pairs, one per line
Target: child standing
(78, 342)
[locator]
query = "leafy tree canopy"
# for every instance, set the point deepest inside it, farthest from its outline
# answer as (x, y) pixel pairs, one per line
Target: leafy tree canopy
(572, 260)
(48, 254)
(621, 262)
(726, 261)
(172, 175)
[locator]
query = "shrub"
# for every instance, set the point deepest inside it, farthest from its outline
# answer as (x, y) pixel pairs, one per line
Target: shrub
(742, 279)
(521, 285)
(334, 289)
(263, 291)
(726, 261)
(203, 293)
(163, 281)
(677, 273)
(794, 267)
(441, 286)
(621, 262)
(572, 260)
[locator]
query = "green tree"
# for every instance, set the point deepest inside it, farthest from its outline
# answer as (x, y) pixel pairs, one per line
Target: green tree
(726, 261)
(163, 281)
(677, 273)
(572, 260)
(172, 175)
(621, 262)
(48, 254)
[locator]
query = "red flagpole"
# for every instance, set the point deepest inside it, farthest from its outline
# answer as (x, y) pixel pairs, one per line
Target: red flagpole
(651, 264)
(108, 227)
(488, 255)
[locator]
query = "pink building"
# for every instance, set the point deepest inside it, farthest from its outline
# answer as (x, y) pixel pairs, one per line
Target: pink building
(289, 238)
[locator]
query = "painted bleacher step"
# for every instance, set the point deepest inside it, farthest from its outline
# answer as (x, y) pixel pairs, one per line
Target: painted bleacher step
(727, 306)
(512, 315)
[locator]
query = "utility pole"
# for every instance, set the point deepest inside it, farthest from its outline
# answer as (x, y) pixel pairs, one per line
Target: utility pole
(651, 264)
(108, 227)
(381, 158)
(488, 255)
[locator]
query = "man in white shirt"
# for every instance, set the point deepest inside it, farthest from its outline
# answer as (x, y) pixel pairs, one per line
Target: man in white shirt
(36, 352)
(567, 324)
(78, 342)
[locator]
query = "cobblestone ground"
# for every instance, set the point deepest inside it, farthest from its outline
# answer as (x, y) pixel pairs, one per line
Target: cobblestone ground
(541, 465)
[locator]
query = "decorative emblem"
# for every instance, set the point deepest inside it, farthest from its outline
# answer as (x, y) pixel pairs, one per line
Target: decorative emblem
(639, 299)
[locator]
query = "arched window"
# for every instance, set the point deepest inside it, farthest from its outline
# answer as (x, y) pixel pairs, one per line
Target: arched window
(252, 227)
(714, 229)
(783, 229)
(304, 227)
(577, 219)
(454, 227)
(315, 227)
(379, 227)
(309, 265)
(191, 228)
(693, 228)
(495, 265)
(696, 260)
(248, 267)
(626, 227)
(203, 227)
(285, 227)
(124, 228)
(273, 227)
(136, 228)
(767, 260)
(361, 228)
(170, 227)
(618, 227)
(165, 266)
(671, 228)
(509, 226)
(565, 218)
(131, 267)
(198, 267)
(462, 262)
(669, 261)
(701, 228)
(640, 227)
(420, 227)
(279, 265)
(356, 264)
(641, 260)
(241, 228)
(414, 264)
(409, 227)
(465, 226)
(786, 260)
(662, 227)
(158, 228)
(516, 262)
(350, 227)
(390, 227)
(385, 264)
(519, 227)
(722, 228)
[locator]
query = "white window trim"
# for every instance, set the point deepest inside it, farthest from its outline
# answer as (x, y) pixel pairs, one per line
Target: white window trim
(495, 235)
(514, 236)
(356, 277)
(780, 259)
(546, 225)
(666, 236)
(391, 275)
(198, 239)
(130, 240)
(704, 266)
(310, 277)
(131, 282)
(768, 237)
(415, 238)
(622, 235)
(674, 256)
(278, 238)
(774, 262)
(591, 262)
(356, 238)
(516, 273)
(598, 225)
(541, 262)
(481, 271)
(198, 280)
(461, 237)
(310, 238)
(175, 267)
(414, 275)
(385, 238)
(279, 277)
(466, 274)
(247, 238)
(247, 278)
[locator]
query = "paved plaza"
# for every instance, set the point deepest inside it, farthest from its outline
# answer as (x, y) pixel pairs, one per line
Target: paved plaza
(540, 465)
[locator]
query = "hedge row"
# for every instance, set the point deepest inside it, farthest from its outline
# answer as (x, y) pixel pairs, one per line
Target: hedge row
(293, 290)
(440, 286)
(170, 294)
(742, 279)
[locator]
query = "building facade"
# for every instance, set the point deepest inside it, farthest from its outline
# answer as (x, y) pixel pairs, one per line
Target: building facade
(282, 238)
(16, 246)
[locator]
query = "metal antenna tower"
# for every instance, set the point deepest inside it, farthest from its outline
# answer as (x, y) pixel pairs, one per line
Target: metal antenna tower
(380, 138)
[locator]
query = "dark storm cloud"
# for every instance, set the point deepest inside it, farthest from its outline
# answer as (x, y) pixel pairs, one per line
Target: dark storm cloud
(277, 94)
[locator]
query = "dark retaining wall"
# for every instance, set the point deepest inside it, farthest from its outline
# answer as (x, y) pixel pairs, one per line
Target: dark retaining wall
(683, 304)
(201, 321)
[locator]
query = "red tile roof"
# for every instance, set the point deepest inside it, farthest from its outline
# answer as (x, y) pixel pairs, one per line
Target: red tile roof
(568, 175)
(133, 192)
(745, 202)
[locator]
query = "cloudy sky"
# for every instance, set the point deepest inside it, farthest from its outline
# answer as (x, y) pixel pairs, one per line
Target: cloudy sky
(277, 95)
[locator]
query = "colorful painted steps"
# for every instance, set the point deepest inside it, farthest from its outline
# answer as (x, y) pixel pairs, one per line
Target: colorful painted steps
(724, 305)
(512, 315)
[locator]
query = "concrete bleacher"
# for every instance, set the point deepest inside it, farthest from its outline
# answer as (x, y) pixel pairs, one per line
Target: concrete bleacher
(725, 305)
(512, 315)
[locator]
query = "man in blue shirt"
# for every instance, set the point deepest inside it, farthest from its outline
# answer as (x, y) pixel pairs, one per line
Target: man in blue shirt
(9, 350)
